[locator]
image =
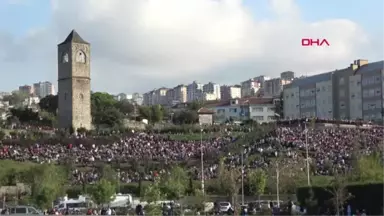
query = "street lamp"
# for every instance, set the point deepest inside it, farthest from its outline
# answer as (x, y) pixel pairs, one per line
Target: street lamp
(307, 155)
(242, 176)
(202, 160)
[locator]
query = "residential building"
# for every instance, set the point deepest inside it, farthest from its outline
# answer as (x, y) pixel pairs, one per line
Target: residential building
(30, 101)
(149, 98)
(43, 89)
(137, 98)
(208, 97)
(230, 92)
(213, 89)
(123, 96)
(351, 93)
(26, 89)
(194, 91)
(241, 109)
(160, 96)
(171, 97)
(274, 87)
(252, 86)
(180, 93)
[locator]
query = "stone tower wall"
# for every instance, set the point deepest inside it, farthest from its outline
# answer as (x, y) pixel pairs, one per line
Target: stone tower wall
(74, 87)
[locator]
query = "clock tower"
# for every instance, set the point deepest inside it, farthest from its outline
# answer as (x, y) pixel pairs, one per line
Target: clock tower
(74, 81)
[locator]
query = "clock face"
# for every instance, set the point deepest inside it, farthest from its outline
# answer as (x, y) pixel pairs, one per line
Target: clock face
(65, 58)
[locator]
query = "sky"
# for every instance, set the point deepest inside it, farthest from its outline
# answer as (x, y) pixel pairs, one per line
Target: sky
(139, 45)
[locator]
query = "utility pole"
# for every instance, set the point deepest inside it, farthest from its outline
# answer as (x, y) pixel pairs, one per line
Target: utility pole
(242, 176)
(202, 160)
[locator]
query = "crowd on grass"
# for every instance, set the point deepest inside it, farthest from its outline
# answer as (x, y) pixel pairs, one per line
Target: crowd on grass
(329, 149)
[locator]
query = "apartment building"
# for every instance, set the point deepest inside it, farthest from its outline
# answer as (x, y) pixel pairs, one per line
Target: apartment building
(123, 96)
(160, 96)
(43, 89)
(274, 87)
(194, 91)
(241, 109)
(213, 90)
(230, 92)
(180, 93)
(253, 86)
(351, 93)
(149, 98)
(26, 89)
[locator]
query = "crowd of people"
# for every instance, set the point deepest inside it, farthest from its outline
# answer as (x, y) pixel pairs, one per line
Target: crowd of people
(328, 149)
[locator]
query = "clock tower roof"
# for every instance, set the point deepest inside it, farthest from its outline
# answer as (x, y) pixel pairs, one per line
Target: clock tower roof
(74, 37)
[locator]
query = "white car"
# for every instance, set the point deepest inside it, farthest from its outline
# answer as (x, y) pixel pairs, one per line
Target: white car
(225, 206)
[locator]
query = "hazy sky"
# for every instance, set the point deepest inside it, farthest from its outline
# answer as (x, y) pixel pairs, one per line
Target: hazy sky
(138, 45)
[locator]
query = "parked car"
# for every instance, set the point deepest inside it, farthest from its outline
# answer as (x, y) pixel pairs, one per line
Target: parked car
(22, 210)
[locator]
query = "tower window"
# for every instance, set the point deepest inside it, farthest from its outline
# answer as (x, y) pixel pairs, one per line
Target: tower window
(80, 57)
(64, 57)
(81, 96)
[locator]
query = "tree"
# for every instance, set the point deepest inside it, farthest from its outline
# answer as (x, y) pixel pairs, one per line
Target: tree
(50, 104)
(156, 113)
(338, 189)
(228, 182)
(101, 101)
(47, 183)
(103, 192)
(145, 112)
(369, 168)
(185, 117)
(25, 114)
(257, 181)
(2, 135)
(16, 99)
(152, 194)
(195, 105)
(174, 185)
(104, 111)
(125, 107)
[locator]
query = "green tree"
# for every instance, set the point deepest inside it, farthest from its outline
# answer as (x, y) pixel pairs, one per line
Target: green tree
(156, 113)
(16, 99)
(174, 185)
(102, 101)
(24, 114)
(47, 183)
(50, 104)
(257, 181)
(338, 189)
(369, 168)
(152, 194)
(145, 112)
(185, 117)
(103, 192)
(2, 135)
(125, 107)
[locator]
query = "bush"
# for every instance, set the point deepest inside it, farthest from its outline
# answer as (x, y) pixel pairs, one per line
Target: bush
(365, 196)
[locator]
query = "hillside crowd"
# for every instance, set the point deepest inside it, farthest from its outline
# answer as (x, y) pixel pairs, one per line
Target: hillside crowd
(330, 150)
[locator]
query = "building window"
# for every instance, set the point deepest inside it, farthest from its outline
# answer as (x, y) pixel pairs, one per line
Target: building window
(342, 105)
(270, 109)
(342, 93)
(341, 81)
(257, 109)
(258, 118)
(233, 110)
(271, 118)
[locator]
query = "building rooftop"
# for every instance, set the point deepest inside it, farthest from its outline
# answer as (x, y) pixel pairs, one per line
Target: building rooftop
(379, 65)
(74, 37)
